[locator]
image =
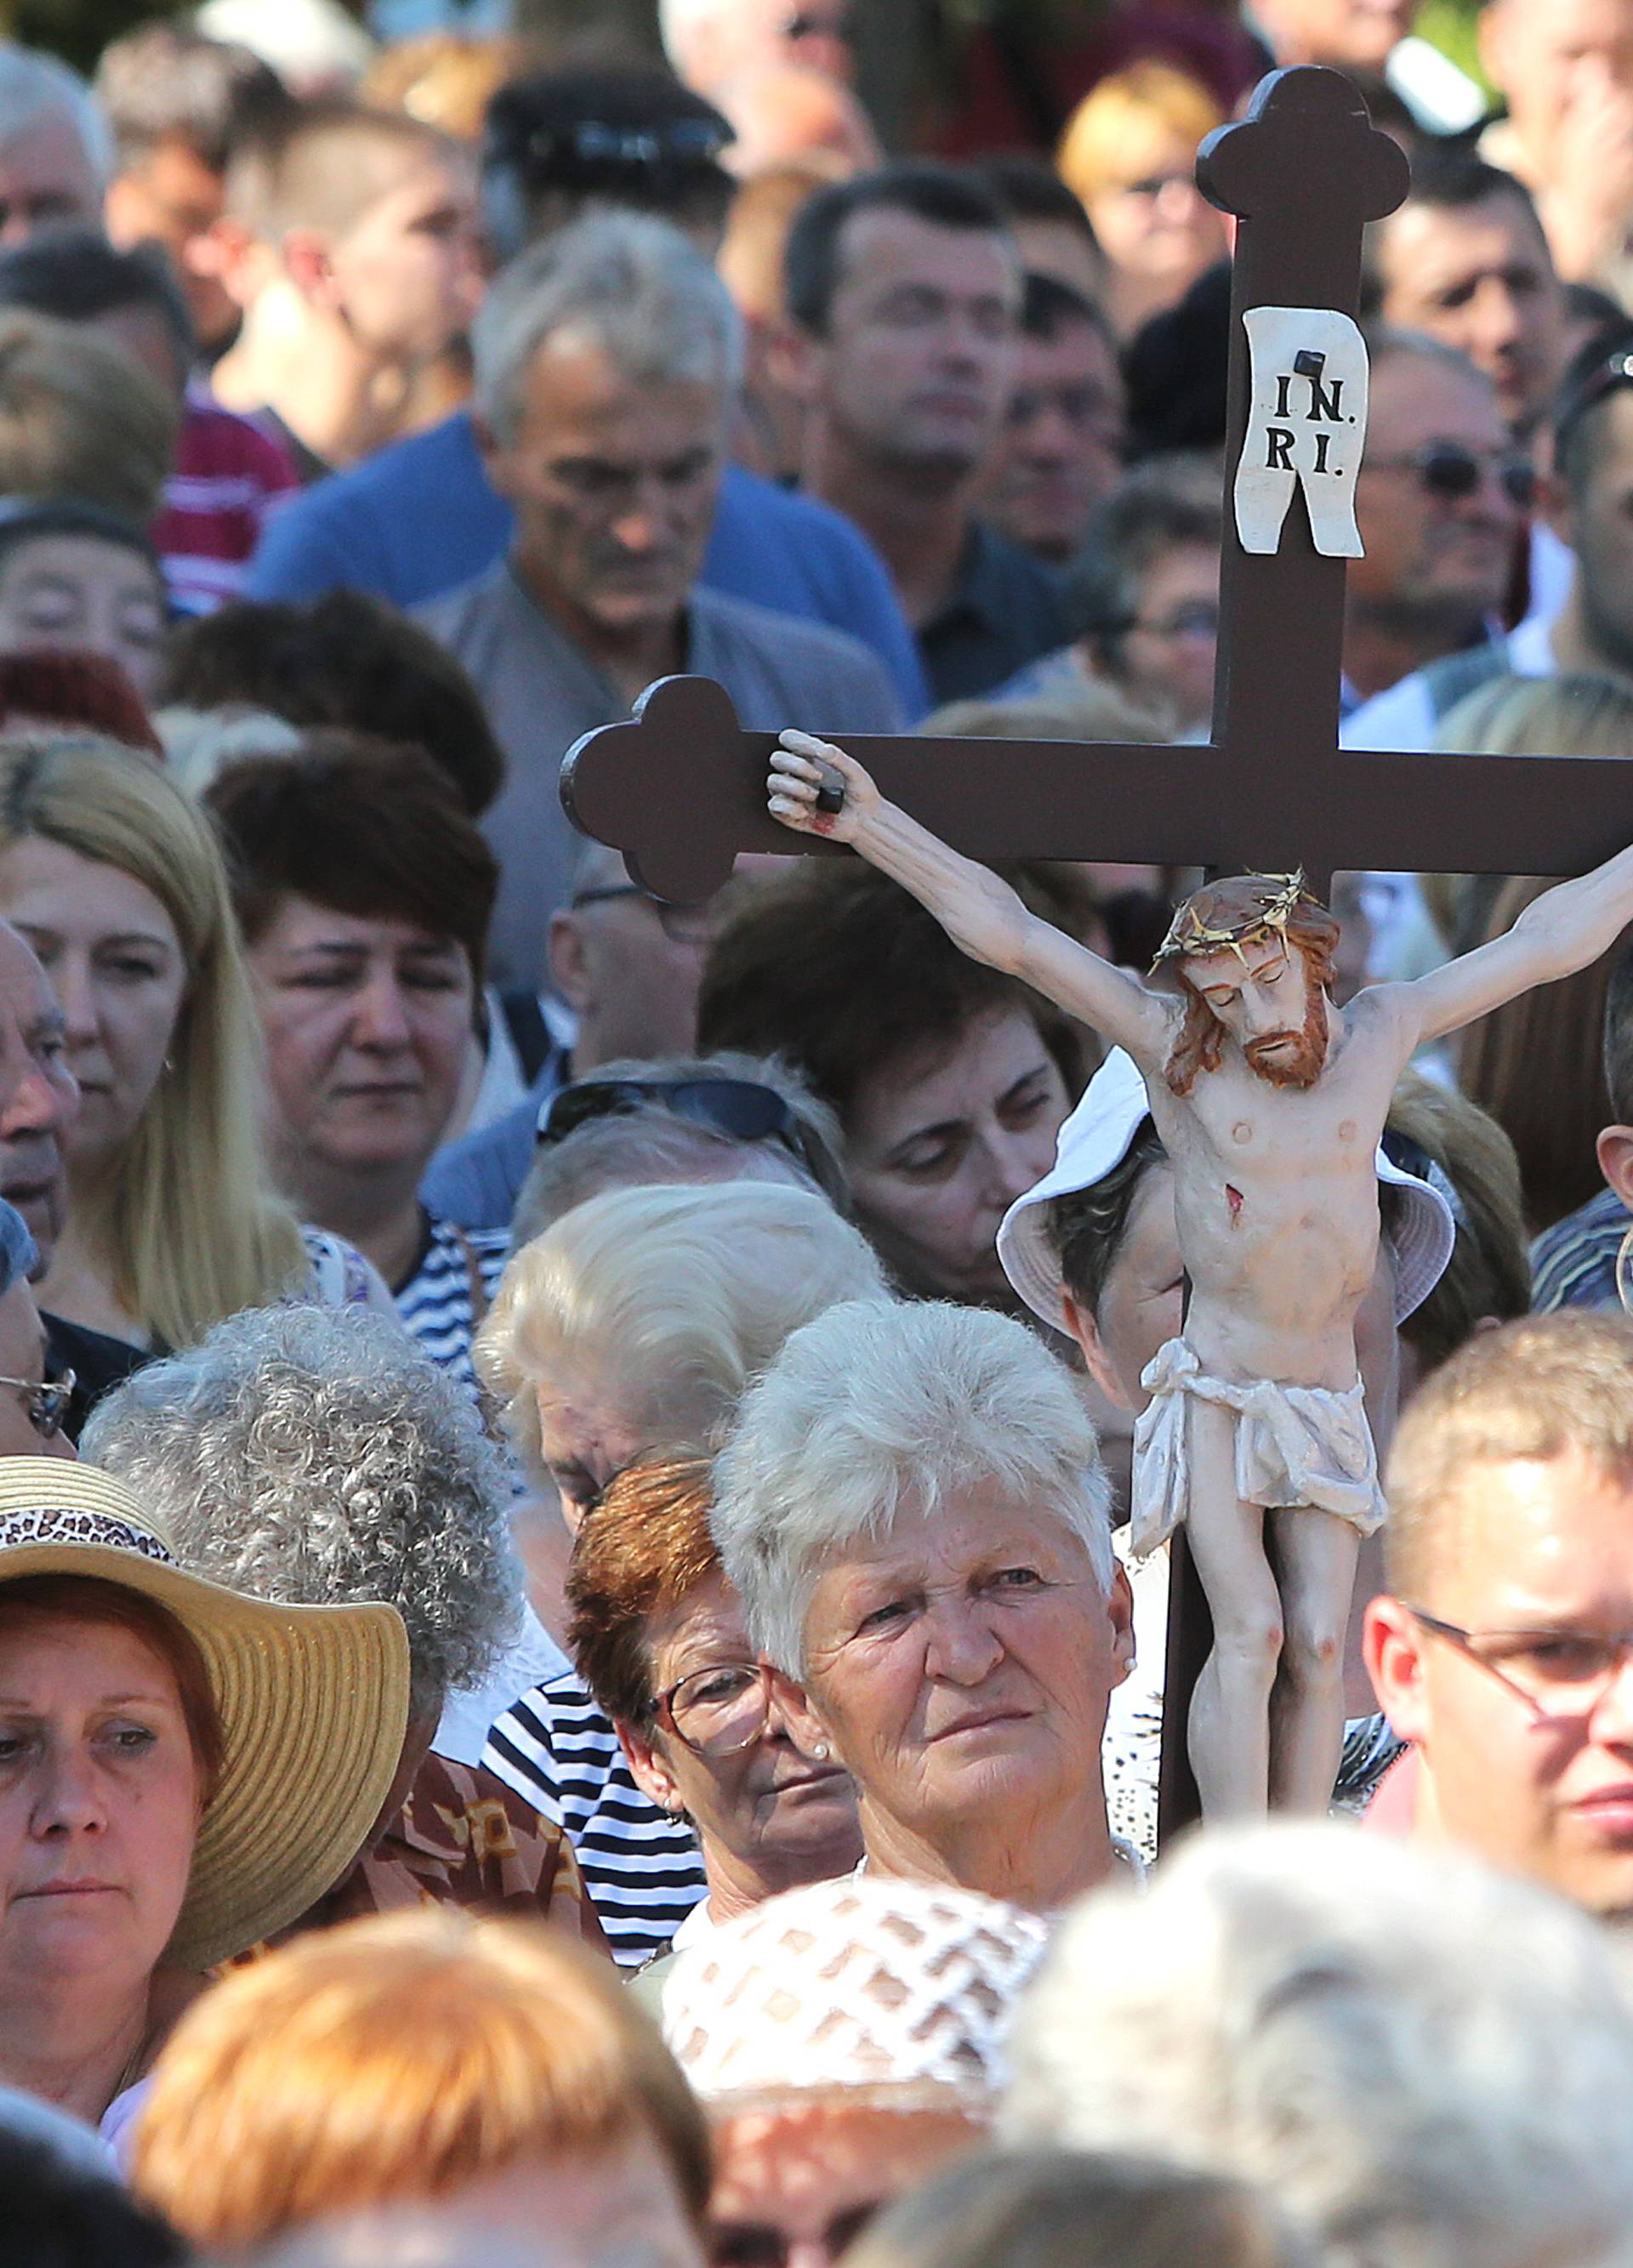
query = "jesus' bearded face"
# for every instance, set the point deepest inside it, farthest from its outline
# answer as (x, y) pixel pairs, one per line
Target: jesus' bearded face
(1262, 995)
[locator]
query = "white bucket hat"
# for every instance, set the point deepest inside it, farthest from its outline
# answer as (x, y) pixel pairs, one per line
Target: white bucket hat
(1096, 1137)
(313, 1703)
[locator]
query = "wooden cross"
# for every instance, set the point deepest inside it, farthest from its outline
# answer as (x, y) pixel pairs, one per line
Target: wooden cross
(680, 789)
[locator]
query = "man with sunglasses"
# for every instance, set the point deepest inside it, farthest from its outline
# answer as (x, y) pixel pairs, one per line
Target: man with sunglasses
(1501, 1647)
(1439, 503)
(1587, 498)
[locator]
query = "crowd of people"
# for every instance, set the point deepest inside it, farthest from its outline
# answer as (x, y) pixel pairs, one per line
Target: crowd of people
(577, 1688)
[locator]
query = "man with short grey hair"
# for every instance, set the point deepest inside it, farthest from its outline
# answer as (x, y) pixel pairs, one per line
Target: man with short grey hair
(607, 365)
(55, 150)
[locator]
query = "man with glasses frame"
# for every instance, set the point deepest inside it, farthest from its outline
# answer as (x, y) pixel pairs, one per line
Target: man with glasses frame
(1501, 1647)
(1592, 632)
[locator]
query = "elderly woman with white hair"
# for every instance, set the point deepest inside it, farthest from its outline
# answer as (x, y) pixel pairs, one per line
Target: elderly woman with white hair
(848, 2041)
(620, 1342)
(314, 1457)
(913, 1510)
(1428, 2065)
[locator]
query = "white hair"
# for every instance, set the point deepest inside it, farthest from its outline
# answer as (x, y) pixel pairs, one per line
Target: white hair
(1427, 2062)
(879, 1406)
(317, 1455)
(633, 286)
(675, 1296)
(34, 86)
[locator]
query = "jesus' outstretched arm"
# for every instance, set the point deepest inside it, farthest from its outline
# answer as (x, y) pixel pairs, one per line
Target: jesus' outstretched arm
(982, 915)
(1558, 933)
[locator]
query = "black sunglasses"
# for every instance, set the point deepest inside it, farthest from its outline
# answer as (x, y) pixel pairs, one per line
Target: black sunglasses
(1446, 469)
(734, 1106)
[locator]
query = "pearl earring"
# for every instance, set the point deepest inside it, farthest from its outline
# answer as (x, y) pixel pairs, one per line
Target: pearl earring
(820, 1752)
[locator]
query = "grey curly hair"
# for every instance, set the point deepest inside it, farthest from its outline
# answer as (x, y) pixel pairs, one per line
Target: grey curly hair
(317, 1456)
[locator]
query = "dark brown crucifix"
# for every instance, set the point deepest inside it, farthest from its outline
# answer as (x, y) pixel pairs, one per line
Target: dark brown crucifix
(680, 789)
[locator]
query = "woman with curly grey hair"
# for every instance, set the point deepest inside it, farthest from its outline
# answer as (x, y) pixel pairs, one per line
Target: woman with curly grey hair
(315, 1458)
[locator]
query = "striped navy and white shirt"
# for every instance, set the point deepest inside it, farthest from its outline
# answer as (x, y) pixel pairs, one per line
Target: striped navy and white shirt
(641, 1866)
(439, 1304)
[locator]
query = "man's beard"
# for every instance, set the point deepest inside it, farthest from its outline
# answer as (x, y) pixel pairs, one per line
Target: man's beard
(1302, 1054)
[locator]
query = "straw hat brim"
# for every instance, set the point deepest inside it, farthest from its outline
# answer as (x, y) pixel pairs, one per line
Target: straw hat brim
(313, 1707)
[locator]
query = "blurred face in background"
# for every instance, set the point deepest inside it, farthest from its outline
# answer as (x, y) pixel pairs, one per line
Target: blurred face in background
(172, 198)
(1480, 277)
(84, 594)
(1060, 448)
(47, 179)
(917, 364)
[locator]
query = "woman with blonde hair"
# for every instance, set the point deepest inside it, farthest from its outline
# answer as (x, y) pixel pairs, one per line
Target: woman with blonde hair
(625, 1334)
(493, 2065)
(116, 880)
(1129, 154)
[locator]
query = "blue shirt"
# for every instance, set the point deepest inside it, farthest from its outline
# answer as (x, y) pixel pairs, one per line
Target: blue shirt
(476, 1180)
(419, 518)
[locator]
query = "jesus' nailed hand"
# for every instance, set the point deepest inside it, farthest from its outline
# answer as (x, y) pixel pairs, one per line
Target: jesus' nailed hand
(1270, 1100)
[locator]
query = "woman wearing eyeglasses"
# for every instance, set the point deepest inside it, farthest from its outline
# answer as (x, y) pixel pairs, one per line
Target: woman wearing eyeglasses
(628, 1331)
(658, 1636)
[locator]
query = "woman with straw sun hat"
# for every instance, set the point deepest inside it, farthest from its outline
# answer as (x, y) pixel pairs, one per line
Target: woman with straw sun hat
(183, 1770)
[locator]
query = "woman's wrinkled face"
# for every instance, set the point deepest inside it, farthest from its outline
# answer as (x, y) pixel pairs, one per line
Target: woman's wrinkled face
(116, 966)
(965, 1658)
(98, 1802)
(939, 1146)
(770, 1803)
(84, 594)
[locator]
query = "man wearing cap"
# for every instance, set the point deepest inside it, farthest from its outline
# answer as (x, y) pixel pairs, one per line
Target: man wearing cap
(1270, 1100)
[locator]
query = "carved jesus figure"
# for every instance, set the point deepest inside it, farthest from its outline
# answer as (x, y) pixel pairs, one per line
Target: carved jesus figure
(1270, 1101)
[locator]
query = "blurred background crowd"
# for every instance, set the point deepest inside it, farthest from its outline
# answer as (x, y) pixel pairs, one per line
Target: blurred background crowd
(571, 1688)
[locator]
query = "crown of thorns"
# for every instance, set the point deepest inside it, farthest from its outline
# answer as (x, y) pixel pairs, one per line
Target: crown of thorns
(1192, 932)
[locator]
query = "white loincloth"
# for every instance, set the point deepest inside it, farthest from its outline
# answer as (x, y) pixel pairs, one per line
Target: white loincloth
(1295, 1445)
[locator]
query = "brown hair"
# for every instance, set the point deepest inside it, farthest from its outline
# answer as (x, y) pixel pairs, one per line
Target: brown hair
(1535, 1390)
(839, 970)
(1536, 1063)
(1236, 905)
(346, 659)
(79, 418)
(363, 827)
(644, 1548)
(30, 1599)
(397, 2059)
(1490, 1271)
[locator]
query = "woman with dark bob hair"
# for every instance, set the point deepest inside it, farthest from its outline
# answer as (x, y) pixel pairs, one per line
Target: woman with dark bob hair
(184, 1769)
(949, 1079)
(364, 891)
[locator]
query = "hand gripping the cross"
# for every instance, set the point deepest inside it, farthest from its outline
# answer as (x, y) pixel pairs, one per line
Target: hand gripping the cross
(1270, 1101)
